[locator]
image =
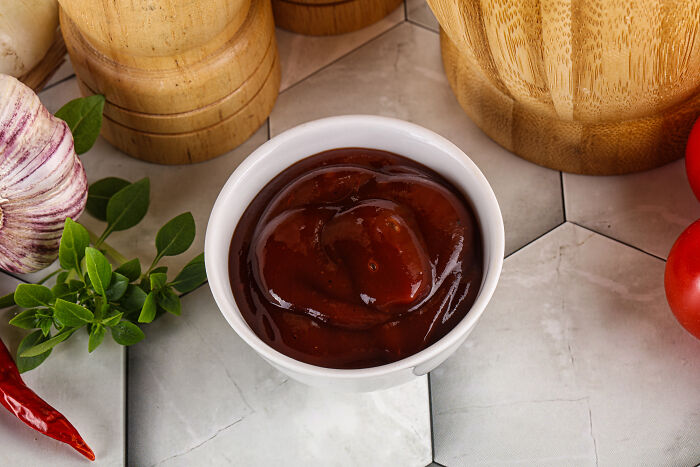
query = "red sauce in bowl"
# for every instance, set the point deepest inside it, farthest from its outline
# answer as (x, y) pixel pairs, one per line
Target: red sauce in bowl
(354, 258)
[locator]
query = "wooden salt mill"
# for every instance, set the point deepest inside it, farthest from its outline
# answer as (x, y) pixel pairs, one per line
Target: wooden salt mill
(585, 86)
(326, 17)
(184, 81)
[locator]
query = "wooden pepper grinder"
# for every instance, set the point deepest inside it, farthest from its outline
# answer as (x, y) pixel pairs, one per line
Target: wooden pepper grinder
(327, 17)
(591, 86)
(184, 81)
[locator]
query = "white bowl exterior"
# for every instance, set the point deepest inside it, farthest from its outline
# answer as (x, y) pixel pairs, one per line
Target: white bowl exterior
(383, 133)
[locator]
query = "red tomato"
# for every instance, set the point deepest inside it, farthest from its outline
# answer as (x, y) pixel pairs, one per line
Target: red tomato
(682, 278)
(692, 159)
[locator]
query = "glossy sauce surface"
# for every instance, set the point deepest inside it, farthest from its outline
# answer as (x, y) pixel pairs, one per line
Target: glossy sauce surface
(354, 258)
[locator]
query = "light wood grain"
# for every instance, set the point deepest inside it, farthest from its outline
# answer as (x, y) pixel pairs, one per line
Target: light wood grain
(157, 34)
(202, 117)
(195, 109)
(203, 144)
(604, 148)
(328, 17)
(181, 88)
(587, 86)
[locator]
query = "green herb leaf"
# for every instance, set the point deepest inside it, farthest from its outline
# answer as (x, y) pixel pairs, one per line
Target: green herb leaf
(33, 295)
(99, 270)
(25, 320)
(84, 118)
(117, 287)
(169, 301)
(126, 333)
(29, 363)
(75, 285)
(160, 270)
(45, 325)
(112, 319)
(97, 334)
(99, 194)
(63, 275)
(158, 280)
(130, 269)
(46, 345)
(133, 299)
(148, 312)
(7, 300)
(176, 235)
(71, 314)
(73, 243)
(192, 275)
(63, 291)
(128, 206)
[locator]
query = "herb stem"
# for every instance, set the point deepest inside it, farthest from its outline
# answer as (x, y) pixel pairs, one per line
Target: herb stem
(113, 253)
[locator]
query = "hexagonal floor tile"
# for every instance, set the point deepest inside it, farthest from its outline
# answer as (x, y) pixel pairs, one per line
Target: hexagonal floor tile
(198, 395)
(648, 210)
(419, 12)
(375, 80)
(301, 56)
(89, 389)
(576, 361)
(174, 189)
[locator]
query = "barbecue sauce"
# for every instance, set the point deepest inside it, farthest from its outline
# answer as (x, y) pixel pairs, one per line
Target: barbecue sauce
(354, 258)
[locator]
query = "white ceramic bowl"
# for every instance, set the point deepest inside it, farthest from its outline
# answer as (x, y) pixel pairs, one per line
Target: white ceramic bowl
(388, 134)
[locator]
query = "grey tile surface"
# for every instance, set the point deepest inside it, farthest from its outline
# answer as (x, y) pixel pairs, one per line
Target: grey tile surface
(576, 361)
(301, 56)
(400, 75)
(419, 12)
(648, 210)
(200, 396)
(89, 389)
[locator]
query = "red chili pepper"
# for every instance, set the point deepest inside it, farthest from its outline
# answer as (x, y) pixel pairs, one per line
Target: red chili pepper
(33, 410)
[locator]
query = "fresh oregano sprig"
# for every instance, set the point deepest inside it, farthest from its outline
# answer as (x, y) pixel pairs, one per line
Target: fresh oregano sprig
(90, 292)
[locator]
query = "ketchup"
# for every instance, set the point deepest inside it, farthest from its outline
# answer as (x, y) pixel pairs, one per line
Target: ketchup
(354, 258)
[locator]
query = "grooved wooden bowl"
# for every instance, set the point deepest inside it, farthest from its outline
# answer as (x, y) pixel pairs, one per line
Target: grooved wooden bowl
(208, 99)
(593, 86)
(328, 17)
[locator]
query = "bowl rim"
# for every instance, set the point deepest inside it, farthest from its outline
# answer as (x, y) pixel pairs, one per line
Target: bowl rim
(445, 148)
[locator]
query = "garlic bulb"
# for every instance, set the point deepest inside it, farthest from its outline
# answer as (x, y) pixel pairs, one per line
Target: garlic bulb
(27, 30)
(42, 181)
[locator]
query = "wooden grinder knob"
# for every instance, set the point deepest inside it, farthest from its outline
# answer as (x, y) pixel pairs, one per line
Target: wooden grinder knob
(184, 81)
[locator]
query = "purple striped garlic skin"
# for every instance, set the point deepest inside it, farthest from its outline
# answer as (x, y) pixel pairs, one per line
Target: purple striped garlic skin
(42, 181)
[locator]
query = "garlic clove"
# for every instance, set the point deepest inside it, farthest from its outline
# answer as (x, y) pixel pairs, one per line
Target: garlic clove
(42, 181)
(27, 30)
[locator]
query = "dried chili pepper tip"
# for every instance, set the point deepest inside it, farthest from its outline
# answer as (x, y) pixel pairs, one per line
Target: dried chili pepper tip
(63, 431)
(26, 405)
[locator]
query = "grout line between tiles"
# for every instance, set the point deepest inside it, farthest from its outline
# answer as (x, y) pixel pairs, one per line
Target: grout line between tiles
(405, 10)
(343, 56)
(436, 464)
(534, 240)
(422, 26)
(430, 411)
(62, 80)
(618, 241)
(563, 196)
